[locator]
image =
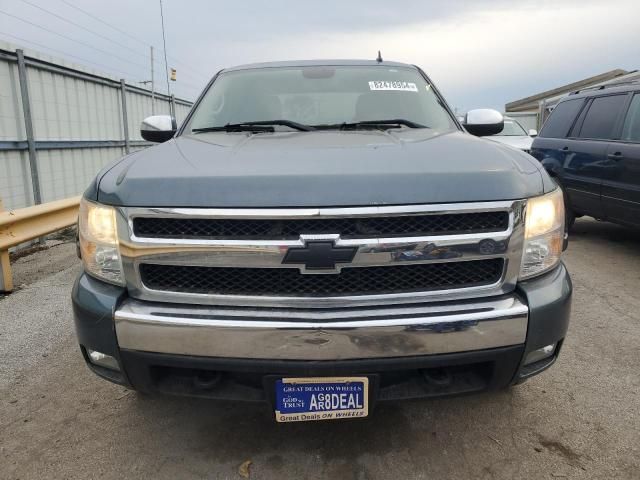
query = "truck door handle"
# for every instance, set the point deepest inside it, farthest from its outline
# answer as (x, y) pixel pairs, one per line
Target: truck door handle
(564, 149)
(615, 156)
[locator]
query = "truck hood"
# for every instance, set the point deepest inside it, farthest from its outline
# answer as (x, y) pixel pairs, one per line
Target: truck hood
(521, 142)
(323, 168)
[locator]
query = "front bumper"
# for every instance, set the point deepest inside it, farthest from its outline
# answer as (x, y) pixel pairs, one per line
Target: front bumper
(478, 344)
(326, 335)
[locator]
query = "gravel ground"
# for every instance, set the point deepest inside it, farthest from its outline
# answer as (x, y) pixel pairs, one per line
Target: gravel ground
(581, 419)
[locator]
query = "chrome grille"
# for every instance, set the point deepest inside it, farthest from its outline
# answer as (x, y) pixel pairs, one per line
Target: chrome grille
(358, 227)
(403, 254)
(351, 281)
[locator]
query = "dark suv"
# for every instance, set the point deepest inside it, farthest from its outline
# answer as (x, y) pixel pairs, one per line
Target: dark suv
(591, 145)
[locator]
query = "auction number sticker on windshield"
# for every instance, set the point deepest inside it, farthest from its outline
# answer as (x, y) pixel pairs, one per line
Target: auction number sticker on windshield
(393, 85)
(324, 398)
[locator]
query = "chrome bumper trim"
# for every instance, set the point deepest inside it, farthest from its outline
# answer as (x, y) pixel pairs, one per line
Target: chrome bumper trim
(315, 335)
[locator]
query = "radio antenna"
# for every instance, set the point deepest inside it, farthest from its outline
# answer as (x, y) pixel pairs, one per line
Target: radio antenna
(379, 59)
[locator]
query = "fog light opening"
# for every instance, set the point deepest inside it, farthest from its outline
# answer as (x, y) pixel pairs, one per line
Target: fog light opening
(437, 376)
(540, 354)
(207, 380)
(103, 360)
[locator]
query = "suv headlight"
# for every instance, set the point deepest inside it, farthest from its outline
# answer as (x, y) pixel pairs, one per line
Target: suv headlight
(543, 234)
(99, 242)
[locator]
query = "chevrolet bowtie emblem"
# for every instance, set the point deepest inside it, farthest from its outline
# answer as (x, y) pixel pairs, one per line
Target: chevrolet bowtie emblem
(320, 256)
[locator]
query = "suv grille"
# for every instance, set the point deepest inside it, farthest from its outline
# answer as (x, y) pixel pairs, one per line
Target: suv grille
(360, 227)
(351, 281)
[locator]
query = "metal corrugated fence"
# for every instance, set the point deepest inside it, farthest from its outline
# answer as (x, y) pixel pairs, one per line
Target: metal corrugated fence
(77, 123)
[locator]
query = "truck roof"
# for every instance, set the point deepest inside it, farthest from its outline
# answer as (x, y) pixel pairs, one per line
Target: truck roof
(318, 63)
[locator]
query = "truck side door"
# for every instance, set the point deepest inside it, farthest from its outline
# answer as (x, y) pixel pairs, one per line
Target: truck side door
(621, 186)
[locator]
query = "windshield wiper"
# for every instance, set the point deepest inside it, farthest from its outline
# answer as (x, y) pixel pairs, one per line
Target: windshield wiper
(261, 126)
(371, 124)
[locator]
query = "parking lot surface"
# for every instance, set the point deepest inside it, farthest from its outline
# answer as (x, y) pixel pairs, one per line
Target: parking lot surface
(581, 419)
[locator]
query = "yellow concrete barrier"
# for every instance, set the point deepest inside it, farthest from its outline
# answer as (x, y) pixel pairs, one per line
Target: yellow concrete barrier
(24, 224)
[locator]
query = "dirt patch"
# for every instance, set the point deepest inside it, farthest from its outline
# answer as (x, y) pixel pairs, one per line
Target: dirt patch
(560, 448)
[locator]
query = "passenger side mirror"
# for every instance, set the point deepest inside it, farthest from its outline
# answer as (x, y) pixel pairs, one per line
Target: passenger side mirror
(158, 128)
(533, 132)
(483, 121)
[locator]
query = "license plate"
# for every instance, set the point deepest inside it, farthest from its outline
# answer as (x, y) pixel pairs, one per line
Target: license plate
(321, 398)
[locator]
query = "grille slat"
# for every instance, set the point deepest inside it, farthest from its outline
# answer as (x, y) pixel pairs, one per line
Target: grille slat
(347, 227)
(351, 281)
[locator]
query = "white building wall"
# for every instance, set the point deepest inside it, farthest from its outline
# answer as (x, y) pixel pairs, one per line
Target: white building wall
(529, 121)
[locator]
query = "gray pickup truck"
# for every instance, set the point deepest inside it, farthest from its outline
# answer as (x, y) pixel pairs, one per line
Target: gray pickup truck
(322, 235)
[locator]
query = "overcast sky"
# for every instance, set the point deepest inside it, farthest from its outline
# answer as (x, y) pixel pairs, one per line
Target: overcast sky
(480, 53)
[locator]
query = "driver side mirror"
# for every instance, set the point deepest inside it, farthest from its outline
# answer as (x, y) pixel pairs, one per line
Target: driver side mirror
(483, 121)
(158, 128)
(533, 132)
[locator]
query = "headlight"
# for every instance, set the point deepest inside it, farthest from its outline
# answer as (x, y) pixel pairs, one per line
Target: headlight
(99, 242)
(543, 234)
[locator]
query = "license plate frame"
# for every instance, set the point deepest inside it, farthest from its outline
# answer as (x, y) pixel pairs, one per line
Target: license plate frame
(304, 399)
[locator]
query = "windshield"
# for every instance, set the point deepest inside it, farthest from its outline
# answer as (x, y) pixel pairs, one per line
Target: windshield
(512, 129)
(321, 96)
